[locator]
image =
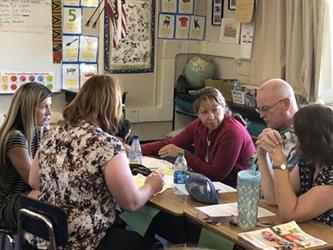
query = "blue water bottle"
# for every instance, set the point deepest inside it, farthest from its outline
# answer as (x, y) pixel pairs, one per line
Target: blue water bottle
(135, 153)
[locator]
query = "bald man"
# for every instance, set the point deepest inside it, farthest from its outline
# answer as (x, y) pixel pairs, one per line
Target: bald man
(276, 105)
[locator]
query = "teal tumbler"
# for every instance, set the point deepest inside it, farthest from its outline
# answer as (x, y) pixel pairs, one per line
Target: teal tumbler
(248, 193)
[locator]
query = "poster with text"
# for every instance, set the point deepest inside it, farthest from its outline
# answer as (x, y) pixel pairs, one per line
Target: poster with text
(185, 6)
(70, 45)
(246, 40)
(72, 20)
(71, 3)
(166, 26)
(90, 3)
(87, 71)
(70, 76)
(88, 49)
(182, 26)
(169, 6)
(197, 27)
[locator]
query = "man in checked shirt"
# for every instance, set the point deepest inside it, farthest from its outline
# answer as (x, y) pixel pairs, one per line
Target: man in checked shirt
(276, 105)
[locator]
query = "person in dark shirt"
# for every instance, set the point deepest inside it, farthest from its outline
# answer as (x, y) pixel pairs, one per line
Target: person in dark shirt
(19, 141)
(222, 145)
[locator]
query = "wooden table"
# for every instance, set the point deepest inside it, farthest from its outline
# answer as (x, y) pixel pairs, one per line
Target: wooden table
(182, 205)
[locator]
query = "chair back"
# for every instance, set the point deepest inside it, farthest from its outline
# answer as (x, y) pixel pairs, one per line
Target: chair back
(6, 240)
(44, 220)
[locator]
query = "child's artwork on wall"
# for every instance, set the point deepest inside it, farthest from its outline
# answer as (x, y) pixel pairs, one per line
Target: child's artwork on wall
(230, 30)
(70, 49)
(166, 26)
(217, 12)
(197, 27)
(70, 76)
(185, 6)
(182, 26)
(88, 49)
(90, 3)
(135, 52)
(72, 20)
(71, 2)
(169, 6)
(87, 71)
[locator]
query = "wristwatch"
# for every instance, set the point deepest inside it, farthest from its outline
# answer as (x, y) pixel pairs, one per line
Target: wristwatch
(281, 167)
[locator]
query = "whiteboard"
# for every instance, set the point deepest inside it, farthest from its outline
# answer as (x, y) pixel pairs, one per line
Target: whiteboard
(26, 38)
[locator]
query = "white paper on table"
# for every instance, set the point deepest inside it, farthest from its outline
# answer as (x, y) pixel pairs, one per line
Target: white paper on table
(229, 209)
(222, 188)
(157, 165)
(139, 180)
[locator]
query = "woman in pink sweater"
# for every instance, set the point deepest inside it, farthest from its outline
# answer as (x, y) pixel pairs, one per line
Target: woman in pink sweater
(222, 144)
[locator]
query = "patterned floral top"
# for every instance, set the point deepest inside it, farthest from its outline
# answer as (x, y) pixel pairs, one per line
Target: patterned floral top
(325, 177)
(289, 148)
(71, 160)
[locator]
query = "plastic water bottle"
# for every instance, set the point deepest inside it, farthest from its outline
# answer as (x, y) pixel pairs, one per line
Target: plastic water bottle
(180, 171)
(47, 124)
(135, 153)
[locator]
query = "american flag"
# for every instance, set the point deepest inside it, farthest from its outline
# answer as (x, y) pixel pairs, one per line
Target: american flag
(116, 10)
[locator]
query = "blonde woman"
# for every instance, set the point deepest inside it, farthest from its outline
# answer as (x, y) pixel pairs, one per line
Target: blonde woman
(84, 169)
(19, 140)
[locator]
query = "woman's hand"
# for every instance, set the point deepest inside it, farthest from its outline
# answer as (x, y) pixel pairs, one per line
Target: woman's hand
(155, 181)
(34, 194)
(127, 147)
(277, 155)
(169, 150)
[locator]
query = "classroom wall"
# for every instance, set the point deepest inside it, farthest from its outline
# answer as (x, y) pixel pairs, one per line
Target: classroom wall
(149, 103)
(171, 57)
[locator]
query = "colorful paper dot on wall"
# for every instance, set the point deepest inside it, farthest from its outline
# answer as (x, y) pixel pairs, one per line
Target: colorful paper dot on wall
(23, 78)
(13, 86)
(13, 78)
(49, 78)
(50, 86)
(4, 78)
(4, 87)
(40, 78)
(32, 78)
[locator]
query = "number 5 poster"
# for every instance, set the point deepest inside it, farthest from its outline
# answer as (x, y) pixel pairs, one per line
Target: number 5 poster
(72, 20)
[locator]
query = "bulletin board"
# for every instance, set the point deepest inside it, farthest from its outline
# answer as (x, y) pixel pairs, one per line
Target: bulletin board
(26, 45)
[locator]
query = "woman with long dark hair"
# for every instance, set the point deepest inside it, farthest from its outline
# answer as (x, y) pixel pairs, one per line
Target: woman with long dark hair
(304, 193)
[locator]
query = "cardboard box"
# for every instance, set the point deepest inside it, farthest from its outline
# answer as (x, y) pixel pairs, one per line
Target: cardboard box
(225, 86)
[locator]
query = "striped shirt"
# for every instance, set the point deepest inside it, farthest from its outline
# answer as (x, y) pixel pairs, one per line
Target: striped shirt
(11, 182)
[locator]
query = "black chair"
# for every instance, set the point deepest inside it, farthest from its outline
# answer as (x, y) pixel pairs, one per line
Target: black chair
(44, 220)
(6, 239)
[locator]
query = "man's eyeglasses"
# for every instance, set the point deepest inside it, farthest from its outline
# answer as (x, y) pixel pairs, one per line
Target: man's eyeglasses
(265, 109)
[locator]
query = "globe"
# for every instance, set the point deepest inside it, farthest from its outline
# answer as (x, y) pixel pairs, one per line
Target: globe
(198, 69)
